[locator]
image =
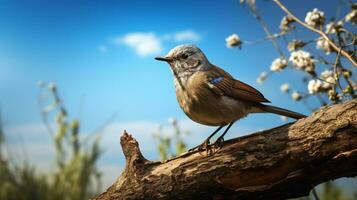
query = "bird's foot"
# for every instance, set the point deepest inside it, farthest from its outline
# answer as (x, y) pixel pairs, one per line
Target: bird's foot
(203, 146)
(218, 143)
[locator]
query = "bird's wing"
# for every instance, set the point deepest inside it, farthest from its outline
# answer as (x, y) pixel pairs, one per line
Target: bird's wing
(225, 85)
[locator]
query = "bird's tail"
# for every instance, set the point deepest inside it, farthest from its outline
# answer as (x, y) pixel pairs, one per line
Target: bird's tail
(282, 111)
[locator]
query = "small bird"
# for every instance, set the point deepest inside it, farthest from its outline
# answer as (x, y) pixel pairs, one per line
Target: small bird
(211, 96)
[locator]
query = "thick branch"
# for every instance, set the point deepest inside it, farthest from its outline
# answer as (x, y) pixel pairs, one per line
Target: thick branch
(283, 162)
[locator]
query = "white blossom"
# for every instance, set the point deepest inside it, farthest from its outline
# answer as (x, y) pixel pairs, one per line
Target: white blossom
(262, 77)
(285, 87)
(314, 86)
(302, 60)
(333, 95)
(327, 81)
(315, 18)
(326, 74)
(233, 41)
(333, 27)
(352, 17)
(286, 24)
(278, 64)
(295, 45)
(328, 77)
(323, 44)
(296, 96)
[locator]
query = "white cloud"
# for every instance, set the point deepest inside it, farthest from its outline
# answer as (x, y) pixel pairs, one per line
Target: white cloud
(144, 44)
(150, 43)
(29, 142)
(28, 130)
(186, 35)
(111, 173)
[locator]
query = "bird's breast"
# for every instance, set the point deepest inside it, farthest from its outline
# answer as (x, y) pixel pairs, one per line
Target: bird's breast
(206, 107)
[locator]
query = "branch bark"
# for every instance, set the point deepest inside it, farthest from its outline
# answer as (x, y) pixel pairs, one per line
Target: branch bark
(283, 162)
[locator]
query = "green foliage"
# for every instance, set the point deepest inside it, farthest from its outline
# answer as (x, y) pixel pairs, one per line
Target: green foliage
(21, 183)
(330, 191)
(170, 146)
(74, 176)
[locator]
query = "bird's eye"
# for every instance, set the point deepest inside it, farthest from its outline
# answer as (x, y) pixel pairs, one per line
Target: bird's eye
(184, 56)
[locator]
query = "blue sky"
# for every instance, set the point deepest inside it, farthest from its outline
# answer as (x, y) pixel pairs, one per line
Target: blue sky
(100, 54)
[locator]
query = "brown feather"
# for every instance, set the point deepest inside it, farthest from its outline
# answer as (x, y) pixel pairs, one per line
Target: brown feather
(228, 86)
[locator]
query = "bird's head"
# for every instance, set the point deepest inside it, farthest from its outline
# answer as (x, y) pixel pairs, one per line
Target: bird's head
(185, 60)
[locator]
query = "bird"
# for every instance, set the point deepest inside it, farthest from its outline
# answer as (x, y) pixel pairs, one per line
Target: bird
(209, 95)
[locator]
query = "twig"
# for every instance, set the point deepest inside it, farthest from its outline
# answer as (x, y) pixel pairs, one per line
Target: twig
(266, 29)
(332, 44)
(272, 37)
(337, 62)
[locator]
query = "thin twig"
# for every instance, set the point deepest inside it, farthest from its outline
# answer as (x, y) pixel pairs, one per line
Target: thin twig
(274, 36)
(335, 71)
(332, 44)
(255, 12)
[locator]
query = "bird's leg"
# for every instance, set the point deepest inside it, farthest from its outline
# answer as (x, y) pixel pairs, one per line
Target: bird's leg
(220, 139)
(205, 143)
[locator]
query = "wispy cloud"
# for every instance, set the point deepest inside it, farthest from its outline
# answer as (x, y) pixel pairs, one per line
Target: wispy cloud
(151, 43)
(144, 44)
(29, 142)
(187, 35)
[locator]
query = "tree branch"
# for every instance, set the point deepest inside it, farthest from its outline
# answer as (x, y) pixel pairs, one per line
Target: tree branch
(331, 43)
(283, 162)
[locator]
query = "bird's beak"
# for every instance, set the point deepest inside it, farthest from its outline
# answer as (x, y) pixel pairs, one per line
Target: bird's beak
(166, 59)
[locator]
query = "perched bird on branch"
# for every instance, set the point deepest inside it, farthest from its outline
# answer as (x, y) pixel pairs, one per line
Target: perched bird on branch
(211, 96)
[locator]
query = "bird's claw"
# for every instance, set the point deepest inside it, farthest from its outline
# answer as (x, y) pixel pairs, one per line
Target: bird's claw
(204, 146)
(218, 143)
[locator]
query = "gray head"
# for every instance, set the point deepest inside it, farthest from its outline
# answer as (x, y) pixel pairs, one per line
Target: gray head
(185, 60)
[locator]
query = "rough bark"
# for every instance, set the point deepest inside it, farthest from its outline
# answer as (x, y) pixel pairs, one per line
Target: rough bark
(283, 162)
